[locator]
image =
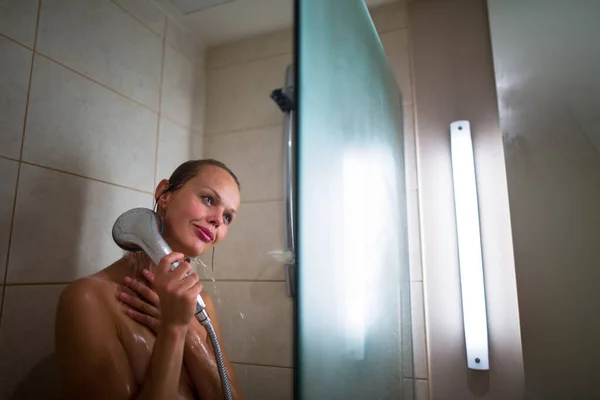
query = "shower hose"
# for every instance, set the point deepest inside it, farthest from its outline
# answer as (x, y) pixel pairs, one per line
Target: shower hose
(204, 320)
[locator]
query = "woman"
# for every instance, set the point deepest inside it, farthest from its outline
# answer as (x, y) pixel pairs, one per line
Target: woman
(111, 344)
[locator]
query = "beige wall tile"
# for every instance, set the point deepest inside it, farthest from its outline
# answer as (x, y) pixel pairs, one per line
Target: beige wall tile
(147, 12)
(18, 18)
(8, 177)
(173, 148)
(255, 156)
(265, 383)
(244, 254)
(182, 97)
(78, 126)
(395, 44)
(239, 96)
(418, 331)
(390, 16)
(197, 146)
(15, 65)
(67, 221)
(255, 320)
(255, 48)
(28, 366)
(184, 42)
(100, 40)
(414, 235)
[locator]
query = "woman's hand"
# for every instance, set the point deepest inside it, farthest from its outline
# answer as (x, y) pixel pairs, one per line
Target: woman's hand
(144, 306)
(176, 292)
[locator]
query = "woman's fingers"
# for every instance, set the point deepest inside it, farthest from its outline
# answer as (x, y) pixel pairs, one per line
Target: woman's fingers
(143, 290)
(148, 275)
(189, 282)
(165, 264)
(139, 305)
(182, 269)
(144, 319)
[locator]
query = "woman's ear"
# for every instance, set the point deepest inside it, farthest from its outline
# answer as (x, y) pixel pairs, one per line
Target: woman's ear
(160, 194)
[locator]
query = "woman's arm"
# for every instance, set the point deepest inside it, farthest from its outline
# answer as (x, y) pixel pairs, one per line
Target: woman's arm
(200, 360)
(92, 360)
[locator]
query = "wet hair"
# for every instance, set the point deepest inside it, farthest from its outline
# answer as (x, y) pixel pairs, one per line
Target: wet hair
(190, 169)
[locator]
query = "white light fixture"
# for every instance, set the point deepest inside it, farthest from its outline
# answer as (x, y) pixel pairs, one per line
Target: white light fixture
(469, 246)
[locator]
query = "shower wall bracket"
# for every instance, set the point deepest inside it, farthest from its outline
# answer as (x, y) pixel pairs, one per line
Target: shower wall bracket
(285, 99)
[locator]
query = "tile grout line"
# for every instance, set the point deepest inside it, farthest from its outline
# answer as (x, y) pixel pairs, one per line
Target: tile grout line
(263, 201)
(140, 20)
(18, 284)
(198, 45)
(86, 177)
(137, 102)
(9, 284)
(9, 158)
(12, 218)
(16, 41)
(383, 32)
(247, 280)
(242, 130)
(260, 365)
(160, 100)
(181, 125)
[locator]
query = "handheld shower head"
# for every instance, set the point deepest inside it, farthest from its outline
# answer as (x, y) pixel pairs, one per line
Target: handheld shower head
(140, 229)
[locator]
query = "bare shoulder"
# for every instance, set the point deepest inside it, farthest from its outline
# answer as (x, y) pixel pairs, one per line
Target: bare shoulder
(83, 292)
(84, 299)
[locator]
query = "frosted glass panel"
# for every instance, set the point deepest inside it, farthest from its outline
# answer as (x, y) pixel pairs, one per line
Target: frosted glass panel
(354, 335)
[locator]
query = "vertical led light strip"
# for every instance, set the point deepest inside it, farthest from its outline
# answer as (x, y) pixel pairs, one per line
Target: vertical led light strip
(469, 246)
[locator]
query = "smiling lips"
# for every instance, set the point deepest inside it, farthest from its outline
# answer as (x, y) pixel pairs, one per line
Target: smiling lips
(205, 234)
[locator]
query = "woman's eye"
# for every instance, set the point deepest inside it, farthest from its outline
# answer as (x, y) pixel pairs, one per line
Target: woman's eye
(209, 200)
(227, 219)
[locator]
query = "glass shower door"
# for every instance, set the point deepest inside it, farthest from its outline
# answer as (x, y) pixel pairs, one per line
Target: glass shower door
(353, 301)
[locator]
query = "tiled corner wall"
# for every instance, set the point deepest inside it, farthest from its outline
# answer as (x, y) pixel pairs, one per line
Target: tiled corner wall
(392, 24)
(100, 99)
(244, 129)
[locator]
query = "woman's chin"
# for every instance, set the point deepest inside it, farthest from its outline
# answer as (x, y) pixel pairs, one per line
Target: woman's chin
(191, 249)
(197, 249)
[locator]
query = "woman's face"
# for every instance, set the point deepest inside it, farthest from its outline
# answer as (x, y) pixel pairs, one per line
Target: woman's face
(197, 216)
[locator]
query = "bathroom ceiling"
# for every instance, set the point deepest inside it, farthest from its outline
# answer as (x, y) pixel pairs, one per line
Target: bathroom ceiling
(241, 18)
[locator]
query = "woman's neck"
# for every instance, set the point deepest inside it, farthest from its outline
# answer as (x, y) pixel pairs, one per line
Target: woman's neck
(136, 262)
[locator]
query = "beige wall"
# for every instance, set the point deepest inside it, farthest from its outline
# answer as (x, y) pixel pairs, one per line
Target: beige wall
(454, 79)
(244, 129)
(111, 104)
(547, 73)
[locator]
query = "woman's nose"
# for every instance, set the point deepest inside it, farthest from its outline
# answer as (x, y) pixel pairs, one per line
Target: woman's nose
(215, 218)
